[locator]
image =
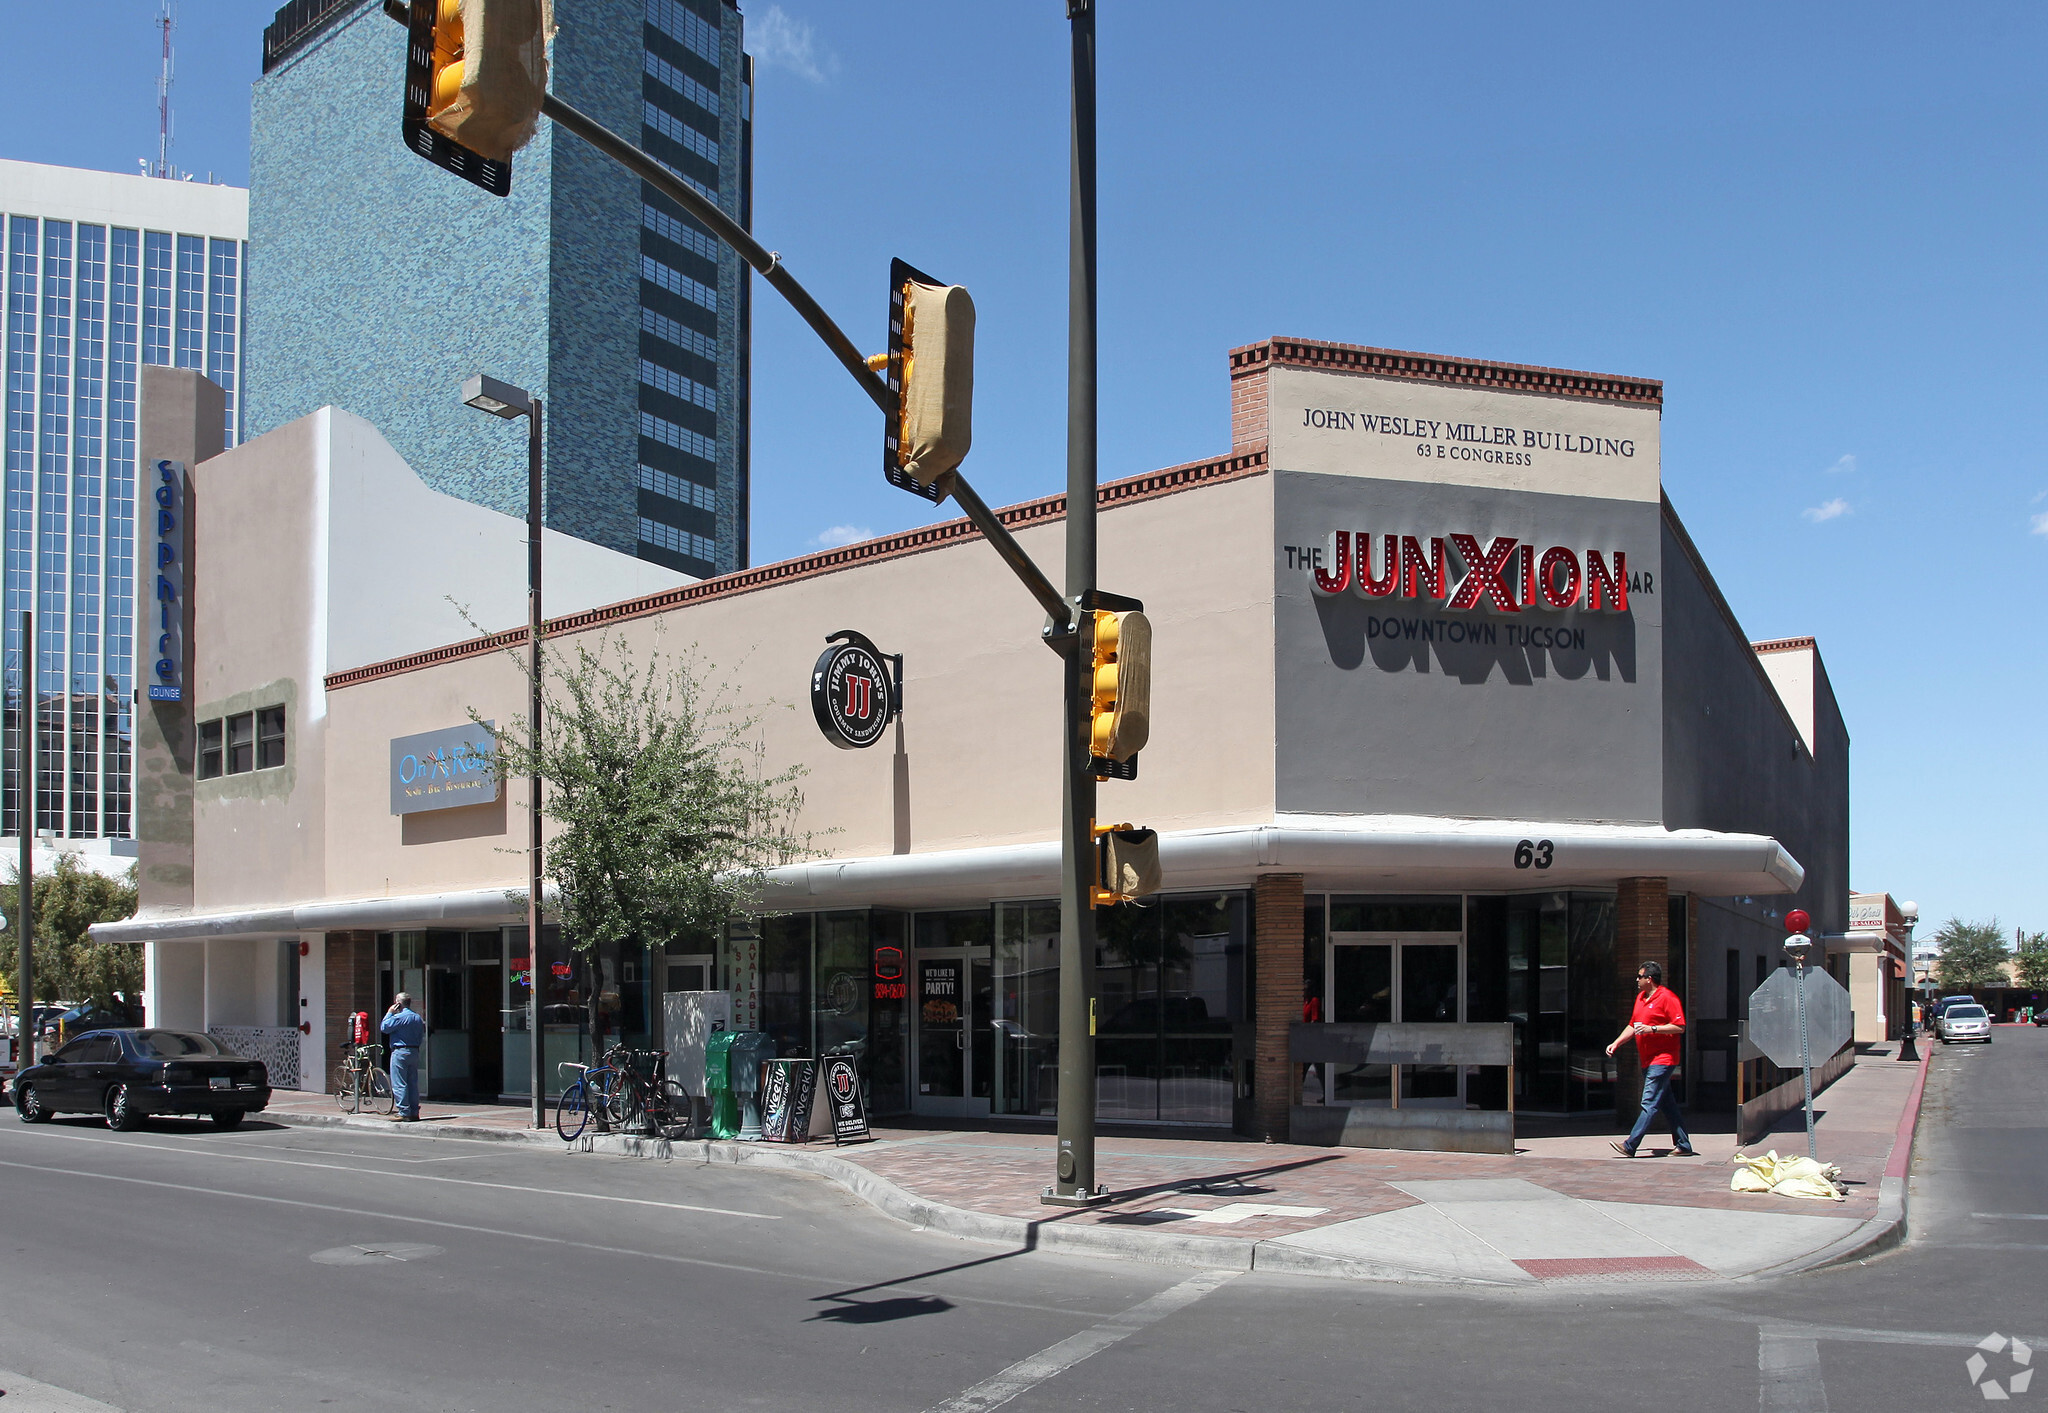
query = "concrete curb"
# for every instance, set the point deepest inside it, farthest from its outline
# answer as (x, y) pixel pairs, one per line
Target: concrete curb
(1159, 1248)
(1888, 1227)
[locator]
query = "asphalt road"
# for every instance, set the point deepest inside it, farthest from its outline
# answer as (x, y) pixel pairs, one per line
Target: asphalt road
(181, 1268)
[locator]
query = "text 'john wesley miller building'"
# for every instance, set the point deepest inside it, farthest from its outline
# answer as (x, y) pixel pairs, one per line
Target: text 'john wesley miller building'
(1450, 724)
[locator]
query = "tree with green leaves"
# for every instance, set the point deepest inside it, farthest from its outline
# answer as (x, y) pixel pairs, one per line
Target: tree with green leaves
(1973, 955)
(2030, 960)
(654, 773)
(69, 965)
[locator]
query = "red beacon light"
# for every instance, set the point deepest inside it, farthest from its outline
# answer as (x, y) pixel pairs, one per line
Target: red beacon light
(1797, 920)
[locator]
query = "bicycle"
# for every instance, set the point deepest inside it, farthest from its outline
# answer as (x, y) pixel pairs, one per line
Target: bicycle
(620, 1097)
(594, 1093)
(364, 1083)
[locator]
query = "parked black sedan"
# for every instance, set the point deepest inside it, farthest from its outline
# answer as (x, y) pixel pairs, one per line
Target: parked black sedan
(128, 1075)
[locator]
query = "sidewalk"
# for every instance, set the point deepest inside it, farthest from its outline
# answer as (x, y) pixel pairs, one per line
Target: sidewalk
(1562, 1209)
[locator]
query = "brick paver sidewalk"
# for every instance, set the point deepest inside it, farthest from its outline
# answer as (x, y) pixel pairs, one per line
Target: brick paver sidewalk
(1252, 1192)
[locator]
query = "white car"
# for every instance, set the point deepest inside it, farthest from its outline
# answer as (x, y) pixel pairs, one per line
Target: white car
(1961, 1022)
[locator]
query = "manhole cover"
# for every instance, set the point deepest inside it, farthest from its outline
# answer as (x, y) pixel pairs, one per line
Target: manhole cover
(376, 1254)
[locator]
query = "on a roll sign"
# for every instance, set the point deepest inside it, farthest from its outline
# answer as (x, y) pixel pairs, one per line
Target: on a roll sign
(1506, 576)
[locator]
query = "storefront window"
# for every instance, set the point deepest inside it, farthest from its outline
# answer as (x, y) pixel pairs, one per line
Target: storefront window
(888, 1013)
(1171, 977)
(1598, 1006)
(786, 983)
(1027, 1007)
(842, 986)
(1396, 912)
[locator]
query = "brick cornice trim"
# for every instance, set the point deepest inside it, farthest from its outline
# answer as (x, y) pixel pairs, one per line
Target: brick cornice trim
(1783, 645)
(1433, 368)
(1108, 496)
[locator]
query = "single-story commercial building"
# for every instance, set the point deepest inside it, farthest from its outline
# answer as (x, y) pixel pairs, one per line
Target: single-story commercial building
(1450, 724)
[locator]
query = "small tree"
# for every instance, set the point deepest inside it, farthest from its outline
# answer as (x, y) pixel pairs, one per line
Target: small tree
(655, 776)
(69, 965)
(1973, 955)
(2030, 960)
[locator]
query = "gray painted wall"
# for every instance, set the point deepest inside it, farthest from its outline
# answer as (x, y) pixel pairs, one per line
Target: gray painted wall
(1372, 723)
(1733, 760)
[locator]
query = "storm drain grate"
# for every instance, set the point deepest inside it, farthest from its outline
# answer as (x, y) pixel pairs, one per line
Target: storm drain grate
(1619, 1268)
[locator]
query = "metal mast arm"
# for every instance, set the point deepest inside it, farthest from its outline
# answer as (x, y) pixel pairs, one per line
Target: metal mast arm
(771, 268)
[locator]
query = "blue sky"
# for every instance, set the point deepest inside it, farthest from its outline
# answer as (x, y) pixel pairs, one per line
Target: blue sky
(1819, 225)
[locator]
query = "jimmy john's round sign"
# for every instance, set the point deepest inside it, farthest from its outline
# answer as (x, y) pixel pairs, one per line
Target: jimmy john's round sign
(850, 693)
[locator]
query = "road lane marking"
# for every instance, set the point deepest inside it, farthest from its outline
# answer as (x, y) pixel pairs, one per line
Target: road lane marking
(25, 1395)
(1056, 1359)
(1849, 1334)
(1788, 1374)
(2010, 1216)
(408, 1177)
(808, 1277)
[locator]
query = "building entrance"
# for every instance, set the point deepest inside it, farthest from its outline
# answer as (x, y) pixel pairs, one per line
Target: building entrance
(954, 1042)
(1381, 977)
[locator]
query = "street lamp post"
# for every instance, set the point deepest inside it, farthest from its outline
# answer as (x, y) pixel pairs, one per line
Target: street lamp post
(487, 394)
(25, 872)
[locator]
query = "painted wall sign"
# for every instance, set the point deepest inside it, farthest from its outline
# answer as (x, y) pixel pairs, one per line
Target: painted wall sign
(1505, 575)
(853, 693)
(173, 579)
(441, 770)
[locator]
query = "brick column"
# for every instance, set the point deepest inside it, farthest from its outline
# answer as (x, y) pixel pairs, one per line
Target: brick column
(351, 973)
(1277, 904)
(1642, 933)
(1248, 410)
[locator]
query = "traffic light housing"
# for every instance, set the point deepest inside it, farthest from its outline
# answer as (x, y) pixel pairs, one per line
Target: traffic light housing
(1126, 864)
(475, 74)
(1119, 648)
(930, 366)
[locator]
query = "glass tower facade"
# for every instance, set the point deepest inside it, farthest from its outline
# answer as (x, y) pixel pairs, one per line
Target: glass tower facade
(90, 299)
(585, 285)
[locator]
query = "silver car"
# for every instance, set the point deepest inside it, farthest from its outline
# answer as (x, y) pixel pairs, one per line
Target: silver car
(1964, 1022)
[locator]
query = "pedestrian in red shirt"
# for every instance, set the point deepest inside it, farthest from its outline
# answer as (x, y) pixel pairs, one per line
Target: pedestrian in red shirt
(1658, 1026)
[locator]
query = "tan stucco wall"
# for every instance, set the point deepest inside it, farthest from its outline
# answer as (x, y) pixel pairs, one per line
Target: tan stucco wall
(979, 733)
(260, 837)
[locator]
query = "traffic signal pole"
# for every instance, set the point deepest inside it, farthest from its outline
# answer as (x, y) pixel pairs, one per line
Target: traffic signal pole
(1074, 1163)
(1066, 614)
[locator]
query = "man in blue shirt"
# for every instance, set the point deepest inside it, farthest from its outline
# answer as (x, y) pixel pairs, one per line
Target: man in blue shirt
(407, 1032)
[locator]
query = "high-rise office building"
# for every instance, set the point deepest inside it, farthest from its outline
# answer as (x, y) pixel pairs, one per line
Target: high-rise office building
(382, 282)
(105, 272)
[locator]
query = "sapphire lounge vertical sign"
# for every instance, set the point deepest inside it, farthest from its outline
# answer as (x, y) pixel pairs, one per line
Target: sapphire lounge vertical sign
(173, 581)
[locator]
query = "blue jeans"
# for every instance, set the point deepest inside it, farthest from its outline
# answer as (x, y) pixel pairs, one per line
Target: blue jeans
(405, 1080)
(1657, 1095)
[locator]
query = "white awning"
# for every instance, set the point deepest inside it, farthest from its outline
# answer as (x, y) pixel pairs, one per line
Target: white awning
(1334, 853)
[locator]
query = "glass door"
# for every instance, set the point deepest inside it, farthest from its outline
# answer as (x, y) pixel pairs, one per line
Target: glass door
(1377, 978)
(954, 1046)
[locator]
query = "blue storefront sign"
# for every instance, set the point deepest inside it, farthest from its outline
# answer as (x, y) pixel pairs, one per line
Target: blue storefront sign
(173, 543)
(440, 770)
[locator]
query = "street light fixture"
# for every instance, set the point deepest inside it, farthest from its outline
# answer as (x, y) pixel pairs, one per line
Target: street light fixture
(501, 399)
(487, 394)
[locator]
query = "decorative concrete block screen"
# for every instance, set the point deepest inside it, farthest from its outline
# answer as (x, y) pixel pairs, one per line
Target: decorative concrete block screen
(276, 1045)
(1395, 1044)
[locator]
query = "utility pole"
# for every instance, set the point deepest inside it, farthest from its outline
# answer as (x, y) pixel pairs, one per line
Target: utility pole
(1074, 1170)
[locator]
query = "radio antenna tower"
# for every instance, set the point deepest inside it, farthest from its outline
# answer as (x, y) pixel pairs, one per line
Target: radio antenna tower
(166, 21)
